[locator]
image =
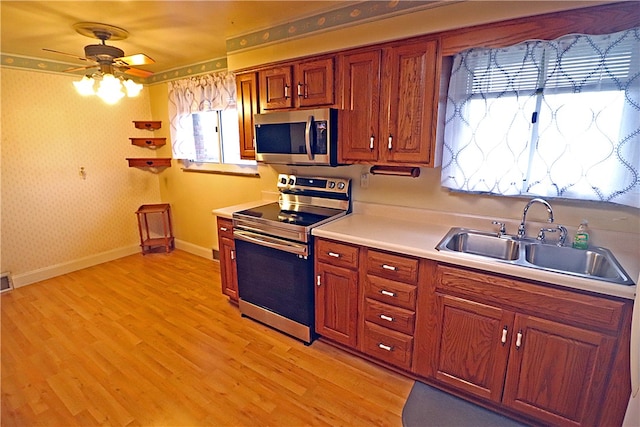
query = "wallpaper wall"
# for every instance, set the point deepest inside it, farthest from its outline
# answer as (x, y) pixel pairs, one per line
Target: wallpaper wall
(51, 215)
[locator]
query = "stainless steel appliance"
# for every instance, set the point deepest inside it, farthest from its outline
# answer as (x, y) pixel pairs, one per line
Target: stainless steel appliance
(274, 251)
(301, 137)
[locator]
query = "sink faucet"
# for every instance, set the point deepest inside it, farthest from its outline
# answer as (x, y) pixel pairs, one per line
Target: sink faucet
(561, 240)
(521, 228)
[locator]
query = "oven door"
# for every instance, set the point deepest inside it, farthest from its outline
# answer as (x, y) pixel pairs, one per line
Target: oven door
(276, 275)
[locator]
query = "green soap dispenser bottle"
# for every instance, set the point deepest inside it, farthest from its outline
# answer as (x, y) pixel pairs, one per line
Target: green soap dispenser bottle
(581, 239)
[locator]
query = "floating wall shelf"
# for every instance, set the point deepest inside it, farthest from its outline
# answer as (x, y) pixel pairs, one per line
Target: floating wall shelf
(150, 163)
(148, 142)
(155, 162)
(149, 125)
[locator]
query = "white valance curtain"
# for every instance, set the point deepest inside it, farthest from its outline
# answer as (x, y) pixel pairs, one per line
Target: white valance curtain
(554, 118)
(215, 91)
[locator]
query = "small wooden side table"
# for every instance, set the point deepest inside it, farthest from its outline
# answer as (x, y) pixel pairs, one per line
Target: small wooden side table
(147, 242)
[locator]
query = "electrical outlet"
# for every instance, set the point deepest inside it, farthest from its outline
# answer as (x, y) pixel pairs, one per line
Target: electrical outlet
(364, 180)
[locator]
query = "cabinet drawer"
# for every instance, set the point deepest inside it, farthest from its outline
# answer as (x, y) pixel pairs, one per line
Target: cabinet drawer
(225, 228)
(387, 345)
(394, 267)
(390, 292)
(389, 316)
(338, 254)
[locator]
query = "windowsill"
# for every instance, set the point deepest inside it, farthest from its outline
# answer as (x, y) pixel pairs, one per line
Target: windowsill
(222, 169)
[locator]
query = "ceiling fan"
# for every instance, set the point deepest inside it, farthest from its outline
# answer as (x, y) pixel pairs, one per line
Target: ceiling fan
(104, 56)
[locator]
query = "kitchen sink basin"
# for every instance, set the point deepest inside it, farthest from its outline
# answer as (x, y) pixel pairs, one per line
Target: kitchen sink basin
(594, 263)
(597, 262)
(483, 244)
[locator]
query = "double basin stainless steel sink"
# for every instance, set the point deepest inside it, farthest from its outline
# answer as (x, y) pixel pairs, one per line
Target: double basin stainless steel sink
(593, 263)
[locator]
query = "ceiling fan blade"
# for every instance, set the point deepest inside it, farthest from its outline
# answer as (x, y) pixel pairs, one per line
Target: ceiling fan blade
(67, 54)
(72, 70)
(138, 72)
(137, 59)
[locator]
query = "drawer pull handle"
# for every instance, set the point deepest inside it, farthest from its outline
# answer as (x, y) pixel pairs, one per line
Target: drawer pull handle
(385, 347)
(503, 340)
(387, 318)
(224, 229)
(389, 267)
(387, 293)
(333, 254)
(519, 340)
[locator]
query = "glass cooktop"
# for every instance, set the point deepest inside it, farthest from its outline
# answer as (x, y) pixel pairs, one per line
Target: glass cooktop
(273, 212)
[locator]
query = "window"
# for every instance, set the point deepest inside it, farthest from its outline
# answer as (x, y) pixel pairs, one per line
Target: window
(216, 138)
(550, 118)
(204, 119)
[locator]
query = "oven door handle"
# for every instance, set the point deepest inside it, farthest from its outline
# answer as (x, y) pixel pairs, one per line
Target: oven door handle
(272, 242)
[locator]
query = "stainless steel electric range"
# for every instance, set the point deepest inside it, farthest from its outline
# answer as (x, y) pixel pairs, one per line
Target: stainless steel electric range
(274, 251)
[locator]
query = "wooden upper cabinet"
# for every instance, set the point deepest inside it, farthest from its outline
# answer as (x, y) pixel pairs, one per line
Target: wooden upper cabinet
(247, 106)
(306, 84)
(391, 105)
(360, 118)
(275, 88)
(315, 83)
(411, 104)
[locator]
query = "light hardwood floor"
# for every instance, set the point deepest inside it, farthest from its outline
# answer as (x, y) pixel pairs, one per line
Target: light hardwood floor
(150, 340)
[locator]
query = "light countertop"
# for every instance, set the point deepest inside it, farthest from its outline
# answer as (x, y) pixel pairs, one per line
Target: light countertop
(417, 232)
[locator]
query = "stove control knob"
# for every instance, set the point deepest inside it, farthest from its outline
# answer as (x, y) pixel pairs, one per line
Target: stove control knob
(292, 181)
(283, 180)
(341, 186)
(332, 184)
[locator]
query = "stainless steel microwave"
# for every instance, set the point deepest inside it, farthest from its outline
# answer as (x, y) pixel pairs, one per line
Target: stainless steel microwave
(301, 137)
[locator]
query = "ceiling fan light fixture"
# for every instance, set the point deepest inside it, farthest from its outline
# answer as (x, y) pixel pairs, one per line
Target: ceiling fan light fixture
(110, 89)
(107, 87)
(132, 88)
(85, 86)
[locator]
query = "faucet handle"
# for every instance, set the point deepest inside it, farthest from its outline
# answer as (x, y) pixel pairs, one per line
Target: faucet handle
(502, 225)
(541, 234)
(563, 234)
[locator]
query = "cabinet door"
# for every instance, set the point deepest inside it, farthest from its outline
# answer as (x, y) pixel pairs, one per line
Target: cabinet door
(314, 85)
(557, 373)
(359, 137)
(247, 94)
(412, 104)
(228, 269)
(472, 350)
(275, 88)
(337, 303)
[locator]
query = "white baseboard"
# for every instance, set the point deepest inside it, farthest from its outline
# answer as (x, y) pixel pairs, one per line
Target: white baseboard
(67, 267)
(91, 260)
(194, 249)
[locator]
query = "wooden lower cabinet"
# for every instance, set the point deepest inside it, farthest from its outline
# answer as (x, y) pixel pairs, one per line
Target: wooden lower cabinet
(543, 354)
(470, 354)
(523, 347)
(558, 373)
(337, 292)
(228, 268)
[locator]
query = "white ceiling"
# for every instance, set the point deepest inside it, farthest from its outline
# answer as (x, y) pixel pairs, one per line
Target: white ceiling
(174, 33)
